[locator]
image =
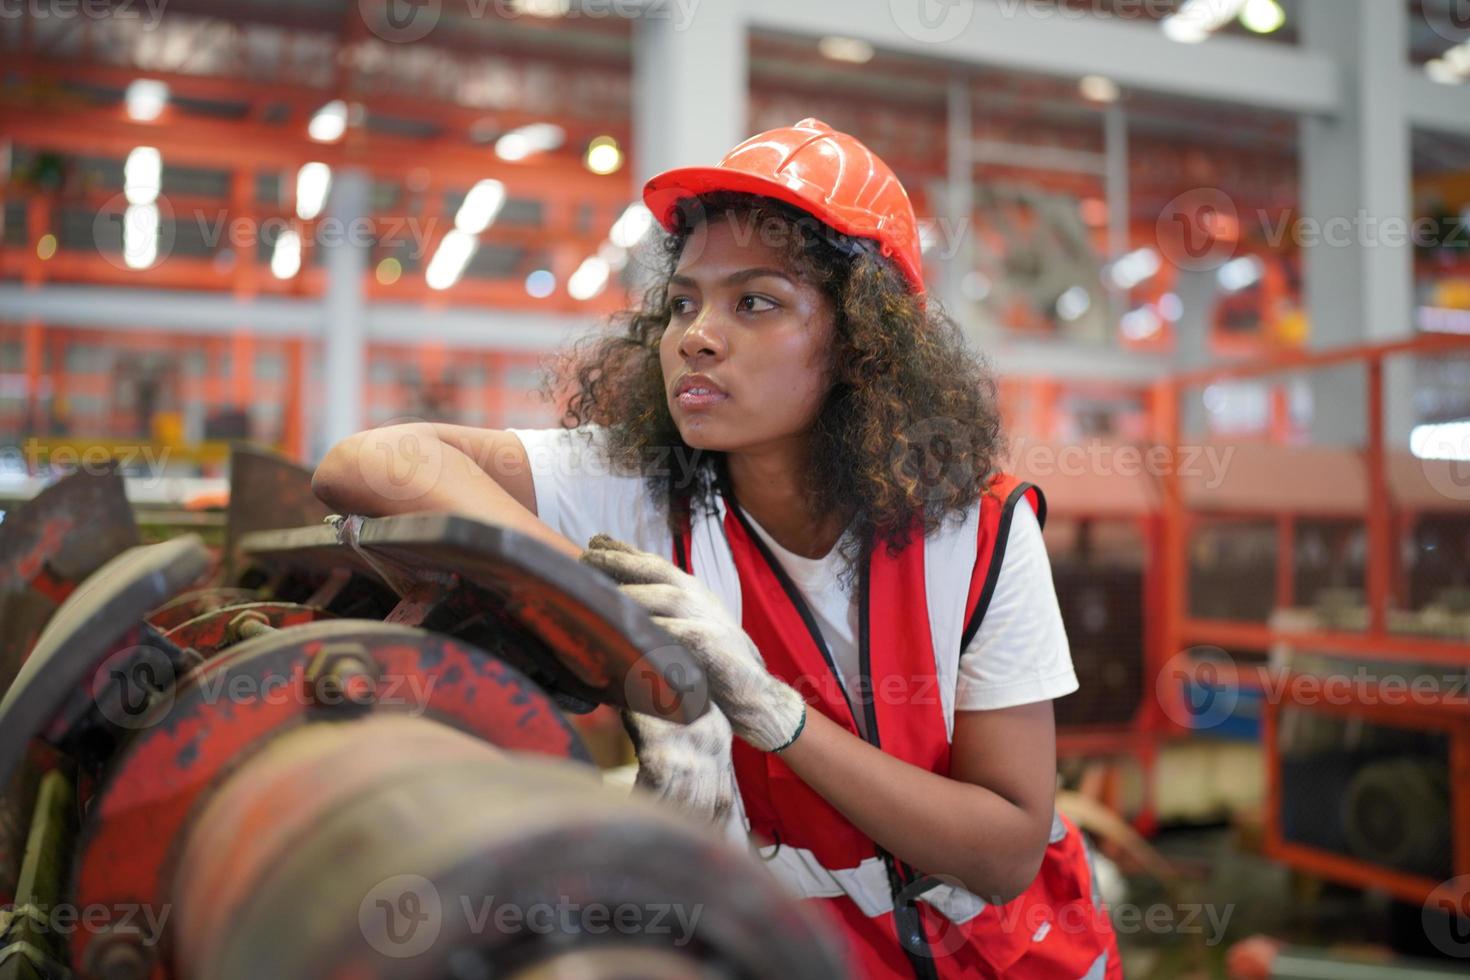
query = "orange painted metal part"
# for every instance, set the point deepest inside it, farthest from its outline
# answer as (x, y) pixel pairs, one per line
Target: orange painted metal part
(1452, 716)
(148, 799)
(1448, 714)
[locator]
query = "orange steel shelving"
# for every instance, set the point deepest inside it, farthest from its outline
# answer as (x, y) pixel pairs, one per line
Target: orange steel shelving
(1390, 489)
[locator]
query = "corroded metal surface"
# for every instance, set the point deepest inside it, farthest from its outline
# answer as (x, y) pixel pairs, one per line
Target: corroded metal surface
(48, 545)
(267, 491)
(183, 608)
(96, 629)
(67, 531)
(211, 632)
(257, 690)
(425, 854)
(607, 645)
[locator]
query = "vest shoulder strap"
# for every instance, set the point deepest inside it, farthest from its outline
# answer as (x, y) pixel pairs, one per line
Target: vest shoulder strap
(997, 506)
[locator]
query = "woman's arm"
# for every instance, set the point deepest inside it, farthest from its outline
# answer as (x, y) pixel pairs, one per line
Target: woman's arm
(420, 466)
(986, 824)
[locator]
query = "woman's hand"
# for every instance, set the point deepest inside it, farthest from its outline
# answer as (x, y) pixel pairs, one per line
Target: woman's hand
(762, 709)
(689, 765)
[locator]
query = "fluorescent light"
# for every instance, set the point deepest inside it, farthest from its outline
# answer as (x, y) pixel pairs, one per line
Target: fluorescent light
(1170, 307)
(615, 256)
(145, 99)
(1452, 67)
(1198, 19)
(1074, 304)
(542, 8)
(313, 181)
(480, 206)
(1440, 71)
(589, 279)
(525, 140)
(450, 259)
(286, 257)
(928, 235)
(541, 283)
(976, 286)
(1262, 16)
(1458, 58)
(140, 235)
(631, 225)
(845, 49)
(142, 175)
(1136, 267)
(1442, 319)
(1098, 88)
(1141, 324)
(1237, 274)
(603, 155)
(1441, 440)
(329, 122)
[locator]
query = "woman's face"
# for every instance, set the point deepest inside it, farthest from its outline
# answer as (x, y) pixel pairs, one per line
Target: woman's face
(745, 354)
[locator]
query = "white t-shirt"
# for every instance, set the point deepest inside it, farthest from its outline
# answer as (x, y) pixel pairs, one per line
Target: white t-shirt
(1018, 656)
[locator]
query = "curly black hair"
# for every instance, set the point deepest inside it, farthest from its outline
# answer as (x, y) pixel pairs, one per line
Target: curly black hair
(909, 432)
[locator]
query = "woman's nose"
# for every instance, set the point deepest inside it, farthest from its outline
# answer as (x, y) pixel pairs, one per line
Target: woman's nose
(703, 337)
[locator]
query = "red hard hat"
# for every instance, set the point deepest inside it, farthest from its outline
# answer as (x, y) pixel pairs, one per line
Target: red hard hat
(812, 166)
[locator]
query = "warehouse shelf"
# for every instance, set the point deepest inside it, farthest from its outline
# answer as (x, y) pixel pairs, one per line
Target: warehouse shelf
(1382, 490)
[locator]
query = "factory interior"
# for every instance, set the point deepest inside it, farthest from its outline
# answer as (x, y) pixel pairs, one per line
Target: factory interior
(1211, 257)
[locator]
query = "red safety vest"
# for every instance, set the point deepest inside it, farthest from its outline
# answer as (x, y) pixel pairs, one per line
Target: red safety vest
(1055, 929)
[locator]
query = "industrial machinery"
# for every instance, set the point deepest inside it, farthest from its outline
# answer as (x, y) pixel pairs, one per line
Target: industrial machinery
(1355, 644)
(344, 750)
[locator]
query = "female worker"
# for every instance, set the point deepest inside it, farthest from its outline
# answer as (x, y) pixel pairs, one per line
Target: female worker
(787, 457)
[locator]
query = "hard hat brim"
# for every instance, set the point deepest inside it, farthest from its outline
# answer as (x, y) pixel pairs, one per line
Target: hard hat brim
(663, 193)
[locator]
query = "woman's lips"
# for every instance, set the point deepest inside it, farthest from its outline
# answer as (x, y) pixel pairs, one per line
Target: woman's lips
(700, 397)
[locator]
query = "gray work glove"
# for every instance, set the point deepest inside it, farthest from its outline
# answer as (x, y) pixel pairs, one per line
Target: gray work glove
(763, 710)
(688, 766)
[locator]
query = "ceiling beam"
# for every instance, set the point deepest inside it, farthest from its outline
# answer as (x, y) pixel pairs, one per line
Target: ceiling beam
(177, 311)
(1442, 108)
(1025, 36)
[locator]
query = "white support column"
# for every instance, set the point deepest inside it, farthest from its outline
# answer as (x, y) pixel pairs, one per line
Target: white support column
(689, 85)
(1357, 212)
(1120, 204)
(955, 236)
(1197, 291)
(344, 314)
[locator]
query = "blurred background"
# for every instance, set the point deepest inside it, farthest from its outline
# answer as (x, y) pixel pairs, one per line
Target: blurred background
(1217, 250)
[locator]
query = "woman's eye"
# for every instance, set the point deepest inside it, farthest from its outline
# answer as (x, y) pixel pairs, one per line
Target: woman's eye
(680, 305)
(750, 303)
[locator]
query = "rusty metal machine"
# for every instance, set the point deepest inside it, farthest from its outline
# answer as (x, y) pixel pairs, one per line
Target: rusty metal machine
(343, 750)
